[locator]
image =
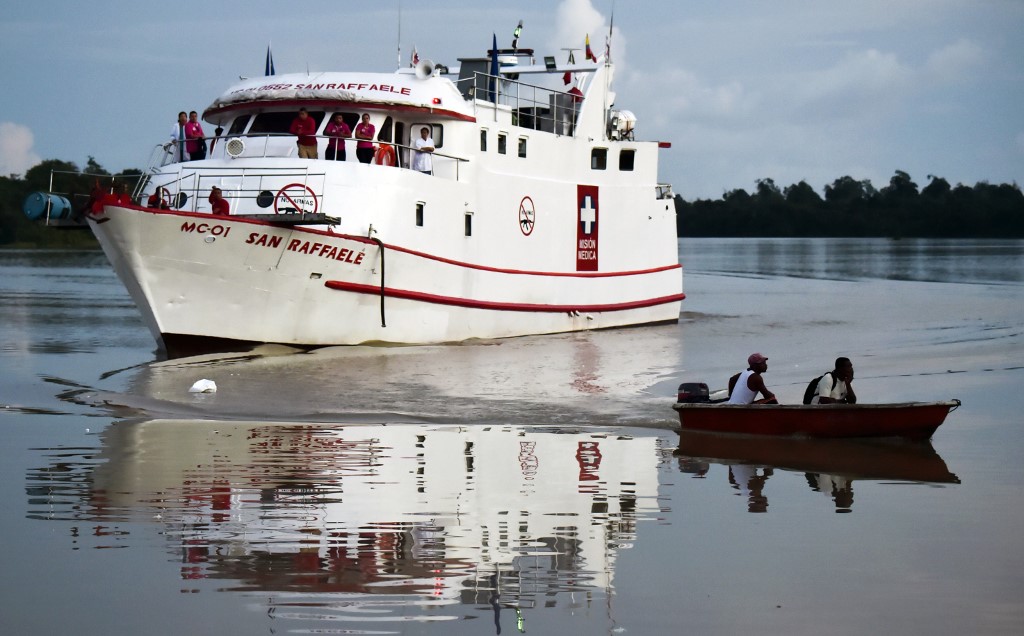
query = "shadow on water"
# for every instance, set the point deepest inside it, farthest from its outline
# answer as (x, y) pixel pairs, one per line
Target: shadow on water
(831, 466)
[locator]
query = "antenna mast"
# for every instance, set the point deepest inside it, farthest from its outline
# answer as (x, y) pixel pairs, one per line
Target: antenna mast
(399, 35)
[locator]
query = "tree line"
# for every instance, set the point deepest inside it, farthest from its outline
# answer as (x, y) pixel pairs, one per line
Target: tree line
(852, 208)
(849, 208)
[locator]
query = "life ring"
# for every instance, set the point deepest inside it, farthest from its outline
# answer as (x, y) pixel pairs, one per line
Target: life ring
(385, 155)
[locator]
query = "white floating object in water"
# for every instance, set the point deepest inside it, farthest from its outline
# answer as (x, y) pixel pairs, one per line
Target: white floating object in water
(204, 386)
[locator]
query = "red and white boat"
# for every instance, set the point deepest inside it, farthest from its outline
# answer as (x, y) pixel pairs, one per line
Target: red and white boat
(542, 214)
(912, 420)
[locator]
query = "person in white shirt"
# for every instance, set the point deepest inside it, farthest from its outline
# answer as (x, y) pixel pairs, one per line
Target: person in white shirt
(423, 147)
(744, 386)
(836, 387)
(176, 146)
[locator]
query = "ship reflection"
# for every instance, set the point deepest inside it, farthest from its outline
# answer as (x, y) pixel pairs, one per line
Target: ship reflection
(370, 518)
(830, 466)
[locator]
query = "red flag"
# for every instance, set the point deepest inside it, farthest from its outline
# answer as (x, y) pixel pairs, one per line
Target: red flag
(590, 54)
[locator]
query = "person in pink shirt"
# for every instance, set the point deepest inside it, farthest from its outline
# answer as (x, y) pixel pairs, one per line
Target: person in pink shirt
(195, 144)
(336, 131)
(364, 133)
(304, 127)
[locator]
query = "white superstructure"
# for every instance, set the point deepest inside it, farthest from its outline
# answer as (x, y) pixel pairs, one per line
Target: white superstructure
(542, 214)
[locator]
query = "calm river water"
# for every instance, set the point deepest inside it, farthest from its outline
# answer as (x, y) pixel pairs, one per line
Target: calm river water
(531, 485)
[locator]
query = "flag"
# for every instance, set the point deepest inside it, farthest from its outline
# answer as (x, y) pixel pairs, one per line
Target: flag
(493, 80)
(590, 54)
(415, 59)
(568, 74)
(270, 62)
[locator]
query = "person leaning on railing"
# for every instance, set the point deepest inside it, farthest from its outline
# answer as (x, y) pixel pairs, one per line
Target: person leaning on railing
(364, 133)
(337, 131)
(304, 127)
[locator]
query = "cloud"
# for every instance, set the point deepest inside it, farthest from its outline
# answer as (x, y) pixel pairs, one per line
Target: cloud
(955, 62)
(575, 19)
(16, 155)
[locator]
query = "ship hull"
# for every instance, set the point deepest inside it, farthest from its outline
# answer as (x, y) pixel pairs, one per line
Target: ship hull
(202, 279)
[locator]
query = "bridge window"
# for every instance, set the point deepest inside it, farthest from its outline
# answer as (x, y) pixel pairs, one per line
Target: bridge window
(238, 126)
(599, 159)
(626, 160)
(386, 129)
(280, 122)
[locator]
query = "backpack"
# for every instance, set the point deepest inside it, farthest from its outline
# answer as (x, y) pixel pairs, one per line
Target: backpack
(812, 387)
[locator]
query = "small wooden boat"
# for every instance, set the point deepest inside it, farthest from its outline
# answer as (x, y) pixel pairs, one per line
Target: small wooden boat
(912, 420)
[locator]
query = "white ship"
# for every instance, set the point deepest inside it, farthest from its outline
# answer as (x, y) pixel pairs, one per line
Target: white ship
(541, 214)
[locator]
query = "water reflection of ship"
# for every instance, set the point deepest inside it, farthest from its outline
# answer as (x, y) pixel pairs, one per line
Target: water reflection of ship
(830, 466)
(442, 514)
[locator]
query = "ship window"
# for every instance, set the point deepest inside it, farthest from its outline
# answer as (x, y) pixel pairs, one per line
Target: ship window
(469, 224)
(522, 147)
(599, 159)
(238, 126)
(501, 143)
(419, 213)
(385, 129)
(626, 159)
(279, 122)
(483, 141)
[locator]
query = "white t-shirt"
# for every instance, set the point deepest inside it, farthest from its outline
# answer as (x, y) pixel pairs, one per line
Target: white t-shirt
(741, 393)
(825, 388)
(421, 161)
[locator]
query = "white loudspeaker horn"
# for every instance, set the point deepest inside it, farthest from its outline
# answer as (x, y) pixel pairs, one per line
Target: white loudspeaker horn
(424, 69)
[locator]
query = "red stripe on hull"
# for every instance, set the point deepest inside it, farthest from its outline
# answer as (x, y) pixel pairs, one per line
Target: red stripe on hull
(498, 306)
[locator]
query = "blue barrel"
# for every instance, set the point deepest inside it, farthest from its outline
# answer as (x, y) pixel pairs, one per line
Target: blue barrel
(35, 206)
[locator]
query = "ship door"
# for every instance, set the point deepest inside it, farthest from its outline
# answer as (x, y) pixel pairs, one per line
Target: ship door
(403, 153)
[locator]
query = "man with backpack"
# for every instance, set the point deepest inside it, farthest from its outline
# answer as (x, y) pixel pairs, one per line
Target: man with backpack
(834, 387)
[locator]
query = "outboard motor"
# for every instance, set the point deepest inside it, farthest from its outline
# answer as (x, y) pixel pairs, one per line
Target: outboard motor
(693, 392)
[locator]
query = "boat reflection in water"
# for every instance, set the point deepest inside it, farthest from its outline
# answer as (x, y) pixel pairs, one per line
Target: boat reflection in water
(830, 466)
(378, 518)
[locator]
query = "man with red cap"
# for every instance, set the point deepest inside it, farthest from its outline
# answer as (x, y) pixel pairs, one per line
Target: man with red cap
(744, 386)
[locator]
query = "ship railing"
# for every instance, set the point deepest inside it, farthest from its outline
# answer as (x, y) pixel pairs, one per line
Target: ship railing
(283, 146)
(79, 189)
(248, 190)
(532, 106)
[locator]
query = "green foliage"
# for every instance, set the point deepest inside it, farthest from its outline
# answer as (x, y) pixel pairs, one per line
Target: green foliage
(855, 208)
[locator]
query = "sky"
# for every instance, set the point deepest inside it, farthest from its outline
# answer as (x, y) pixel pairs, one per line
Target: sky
(743, 90)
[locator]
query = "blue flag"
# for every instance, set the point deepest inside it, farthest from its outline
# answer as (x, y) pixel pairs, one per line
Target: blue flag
(270, 62)
(492, 81)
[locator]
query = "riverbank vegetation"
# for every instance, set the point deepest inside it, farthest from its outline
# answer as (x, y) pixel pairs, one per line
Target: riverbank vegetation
(849, 207)
(856, 208)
